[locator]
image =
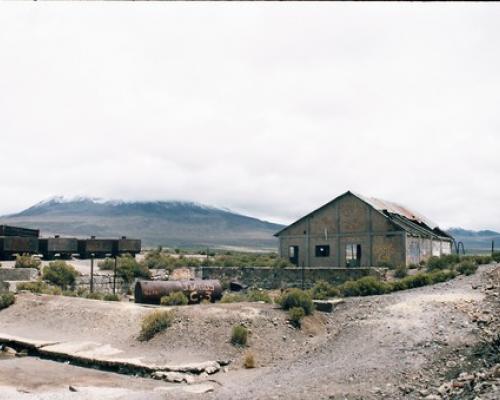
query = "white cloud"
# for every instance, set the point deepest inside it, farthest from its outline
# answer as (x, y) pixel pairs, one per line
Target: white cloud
(268, 109)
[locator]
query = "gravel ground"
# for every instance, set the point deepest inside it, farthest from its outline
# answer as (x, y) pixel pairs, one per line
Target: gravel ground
(378, 347)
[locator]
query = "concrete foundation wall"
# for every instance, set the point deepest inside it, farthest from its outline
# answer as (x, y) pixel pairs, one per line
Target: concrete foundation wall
(275, 278)
(18, 274)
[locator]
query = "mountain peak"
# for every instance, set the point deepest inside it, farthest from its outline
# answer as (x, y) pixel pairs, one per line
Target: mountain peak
(169, 223)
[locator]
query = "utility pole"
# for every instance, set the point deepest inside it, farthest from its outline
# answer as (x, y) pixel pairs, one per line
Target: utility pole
(492, 247)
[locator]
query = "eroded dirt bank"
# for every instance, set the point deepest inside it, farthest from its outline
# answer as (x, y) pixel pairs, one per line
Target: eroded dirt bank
(402, 345)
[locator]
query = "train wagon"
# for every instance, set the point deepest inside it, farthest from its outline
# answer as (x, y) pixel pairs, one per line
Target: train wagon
(12, 245)
(7, 230)
(97, 247)
(127, 246)
(65, 247)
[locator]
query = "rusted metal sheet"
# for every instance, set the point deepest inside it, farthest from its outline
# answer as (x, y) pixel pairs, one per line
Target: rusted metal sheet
(196, 290)
(7, 230)
(58, 245)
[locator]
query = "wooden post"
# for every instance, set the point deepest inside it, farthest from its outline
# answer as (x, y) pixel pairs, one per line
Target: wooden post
(92, 273)
(114, 276)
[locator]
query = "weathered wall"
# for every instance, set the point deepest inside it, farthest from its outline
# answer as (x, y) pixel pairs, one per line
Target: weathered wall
(348, 220)
(274, 278)
(420, 249)
(18, 274)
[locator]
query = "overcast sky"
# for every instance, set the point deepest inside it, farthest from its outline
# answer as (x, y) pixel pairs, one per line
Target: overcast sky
(267, 109)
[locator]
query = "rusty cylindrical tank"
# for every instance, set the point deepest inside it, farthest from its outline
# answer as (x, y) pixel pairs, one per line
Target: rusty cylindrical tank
(196, 290)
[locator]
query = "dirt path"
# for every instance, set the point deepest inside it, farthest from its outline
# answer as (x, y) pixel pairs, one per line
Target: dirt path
(369, 348)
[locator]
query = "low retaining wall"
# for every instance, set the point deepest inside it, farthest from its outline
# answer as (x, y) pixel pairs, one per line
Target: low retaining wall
(18, 274)
(275, 278)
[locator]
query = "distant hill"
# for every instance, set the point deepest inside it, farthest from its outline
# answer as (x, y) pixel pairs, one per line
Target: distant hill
(476, 240)
(167, 223)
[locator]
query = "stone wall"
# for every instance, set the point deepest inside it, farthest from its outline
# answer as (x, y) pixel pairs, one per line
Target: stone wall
(103, 284)
(274, 278)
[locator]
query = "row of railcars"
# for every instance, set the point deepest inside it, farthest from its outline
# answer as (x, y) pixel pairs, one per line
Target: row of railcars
(14, 240)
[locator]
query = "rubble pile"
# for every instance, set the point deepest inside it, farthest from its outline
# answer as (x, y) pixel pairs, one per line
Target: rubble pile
(482, 382)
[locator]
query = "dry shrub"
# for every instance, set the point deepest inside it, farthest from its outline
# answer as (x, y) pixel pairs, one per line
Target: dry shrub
(249, 360)
(155, 322)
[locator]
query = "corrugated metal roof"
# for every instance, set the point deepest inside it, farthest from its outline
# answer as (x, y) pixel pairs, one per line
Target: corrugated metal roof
(395, 208)
(407, 219)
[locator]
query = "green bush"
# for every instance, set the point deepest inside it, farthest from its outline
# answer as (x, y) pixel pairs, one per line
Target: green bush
(69, 293)
(174, 299)
(34, 287)
(111, 297)
(239, 335)
(258, 295)
(436, 263)
(447, 261)
(366, 286)
(128, 268)
(155, 322)
(418, 280)
(385, 264)
(7, 299)
(481, 260)
(60, 274)
(295, 315)
(232, 298)
(401, 271)
(467, 267)
(27, 261)
(400, 284)
(297, 298)
(496, 256)
(55, 291)
(94, 296)
(323, 290)
(442, 276)
(106, 264)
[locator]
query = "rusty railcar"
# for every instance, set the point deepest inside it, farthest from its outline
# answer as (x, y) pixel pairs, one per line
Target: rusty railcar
(196, 290)
(65, 247)
(125, 245)
(12, 245)
(7, 230)
(97, 247)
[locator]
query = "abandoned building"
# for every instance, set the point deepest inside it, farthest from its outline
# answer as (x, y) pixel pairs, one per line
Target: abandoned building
(355, 231)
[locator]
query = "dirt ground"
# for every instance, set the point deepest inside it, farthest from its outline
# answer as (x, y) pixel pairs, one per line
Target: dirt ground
(377, 347)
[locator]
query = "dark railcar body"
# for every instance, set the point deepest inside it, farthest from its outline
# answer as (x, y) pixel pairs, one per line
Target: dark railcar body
(65, 247)
(10, 245)
(196, 290)
(128, 246)
(7, 230)
(98, 247)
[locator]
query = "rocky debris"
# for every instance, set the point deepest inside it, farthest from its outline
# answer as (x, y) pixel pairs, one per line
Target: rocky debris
(478, 375)
(174, 377)
(9, 351)
(327, 305)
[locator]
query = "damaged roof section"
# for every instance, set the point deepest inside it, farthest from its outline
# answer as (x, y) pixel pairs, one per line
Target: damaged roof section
(412, 222)
(409, 220)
